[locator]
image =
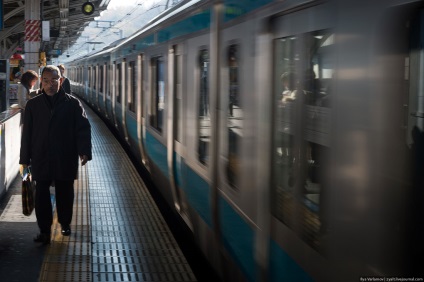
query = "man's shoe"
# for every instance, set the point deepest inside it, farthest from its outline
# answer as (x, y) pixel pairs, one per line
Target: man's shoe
(66, 230)
(42, 238)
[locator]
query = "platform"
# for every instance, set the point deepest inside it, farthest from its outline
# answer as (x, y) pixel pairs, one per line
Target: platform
(118, 231)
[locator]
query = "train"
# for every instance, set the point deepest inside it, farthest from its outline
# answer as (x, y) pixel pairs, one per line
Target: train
(287, 135)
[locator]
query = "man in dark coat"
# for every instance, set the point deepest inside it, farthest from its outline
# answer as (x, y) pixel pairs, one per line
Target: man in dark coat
(56, 132)
(66, 84)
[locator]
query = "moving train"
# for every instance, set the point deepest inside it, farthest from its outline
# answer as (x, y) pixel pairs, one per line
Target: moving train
(288, 135)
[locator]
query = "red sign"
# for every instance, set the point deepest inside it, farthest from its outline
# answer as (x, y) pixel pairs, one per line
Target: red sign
(32, 30)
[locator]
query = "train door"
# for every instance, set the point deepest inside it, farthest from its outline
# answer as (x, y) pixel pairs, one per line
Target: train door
(415, 144)
(197, 139)
(115, 66)
(302, 72)
(104, 88)
(157, 107)
(402, 107)
(118, 110)
(108, 84)
(99, 99)
(87, 85)
(175, 141)
(95, 99)
(125, 90)
(237, 193)
(141, 109)
(415, 63)
(130, 101)
(93, 83)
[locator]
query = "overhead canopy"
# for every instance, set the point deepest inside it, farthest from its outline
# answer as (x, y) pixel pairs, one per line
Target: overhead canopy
(67, 21)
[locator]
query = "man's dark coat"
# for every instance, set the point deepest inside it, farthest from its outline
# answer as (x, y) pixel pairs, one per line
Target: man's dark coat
(54, 135)
(66, 85)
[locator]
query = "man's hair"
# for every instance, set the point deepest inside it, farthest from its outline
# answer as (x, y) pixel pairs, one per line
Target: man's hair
(61, 66)
(27, 77)
(51, 68)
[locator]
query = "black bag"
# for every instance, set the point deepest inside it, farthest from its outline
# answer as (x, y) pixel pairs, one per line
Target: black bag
(28, 194)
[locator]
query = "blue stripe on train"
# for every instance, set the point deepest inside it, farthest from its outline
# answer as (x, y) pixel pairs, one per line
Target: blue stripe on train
(238, 238)
(132, 129)
(283, 267)
(237, 234)
(236, 8)
(157, 153)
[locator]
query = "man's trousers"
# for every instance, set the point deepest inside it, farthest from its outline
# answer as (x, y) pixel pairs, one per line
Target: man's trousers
(64, 191)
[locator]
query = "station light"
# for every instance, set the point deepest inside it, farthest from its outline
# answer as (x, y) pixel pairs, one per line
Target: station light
(87, 8)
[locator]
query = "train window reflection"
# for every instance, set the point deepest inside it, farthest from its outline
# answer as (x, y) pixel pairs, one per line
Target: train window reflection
(101, 79)
(89, 77)
(158, 93)
(140, 92)
(94, 77)
(178, 97)
(109, 79)
(132, 86)
(204, 122)
(235, 115)
(118, 83)
(302, 76)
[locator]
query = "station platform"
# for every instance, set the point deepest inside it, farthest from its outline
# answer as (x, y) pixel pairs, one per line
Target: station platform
(118, 231)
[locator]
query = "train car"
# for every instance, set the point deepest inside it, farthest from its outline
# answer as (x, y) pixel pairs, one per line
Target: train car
(288, 135)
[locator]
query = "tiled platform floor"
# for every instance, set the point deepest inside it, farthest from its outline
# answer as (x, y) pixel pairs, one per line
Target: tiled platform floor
(118, 232)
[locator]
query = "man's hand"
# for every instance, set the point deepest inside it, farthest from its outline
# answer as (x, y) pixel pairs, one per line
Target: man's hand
(84, 159)
(23, 169)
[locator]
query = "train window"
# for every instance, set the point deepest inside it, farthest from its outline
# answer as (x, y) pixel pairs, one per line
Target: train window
(118, 83)
(132, 86)
(158, 93)
(235, 115)
(302, 81)
(178, 98)
(89, 77)
(95, 77)
(109, 79)
(204, 121)
(101, 79)
(139, 82)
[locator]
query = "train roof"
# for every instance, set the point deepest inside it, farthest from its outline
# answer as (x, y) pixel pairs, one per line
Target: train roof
(163, 17)
(159, 19)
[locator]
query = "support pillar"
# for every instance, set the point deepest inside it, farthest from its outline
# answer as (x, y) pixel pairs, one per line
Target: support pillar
(32, 34)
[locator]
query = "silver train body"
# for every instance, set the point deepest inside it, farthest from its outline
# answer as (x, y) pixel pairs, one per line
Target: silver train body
(287, 134)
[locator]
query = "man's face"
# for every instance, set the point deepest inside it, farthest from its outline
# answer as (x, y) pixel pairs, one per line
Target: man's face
(51, 82)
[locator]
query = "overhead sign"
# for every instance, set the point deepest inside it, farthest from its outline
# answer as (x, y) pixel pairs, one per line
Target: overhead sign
(55, 52)
(46, 30)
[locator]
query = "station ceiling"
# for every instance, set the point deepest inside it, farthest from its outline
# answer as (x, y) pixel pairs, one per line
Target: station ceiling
(66, 18)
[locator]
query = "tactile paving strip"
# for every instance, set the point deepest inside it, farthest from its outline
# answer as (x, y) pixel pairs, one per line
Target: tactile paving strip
(118, 233)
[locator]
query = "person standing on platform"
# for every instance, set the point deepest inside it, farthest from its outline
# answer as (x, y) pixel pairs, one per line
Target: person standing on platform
(66, 85)
(28, 80)
(55, 133)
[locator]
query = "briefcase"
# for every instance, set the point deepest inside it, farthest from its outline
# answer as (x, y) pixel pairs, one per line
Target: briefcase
(28, 194)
